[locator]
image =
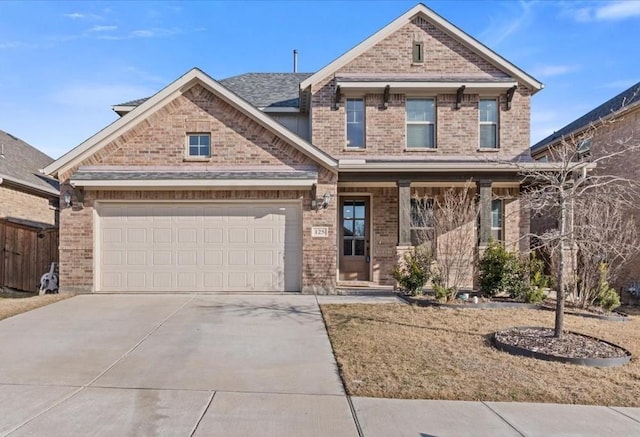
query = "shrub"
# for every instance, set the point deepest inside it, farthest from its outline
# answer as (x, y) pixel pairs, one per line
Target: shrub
(501, 271)
(608, 298)
(413, 272)
(533, 294)
(537, 277)
(440, 291)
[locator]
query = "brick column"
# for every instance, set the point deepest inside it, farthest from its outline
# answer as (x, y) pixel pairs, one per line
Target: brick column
(404, 213)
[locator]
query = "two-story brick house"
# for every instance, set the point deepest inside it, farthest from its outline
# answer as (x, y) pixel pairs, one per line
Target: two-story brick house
(295, 182)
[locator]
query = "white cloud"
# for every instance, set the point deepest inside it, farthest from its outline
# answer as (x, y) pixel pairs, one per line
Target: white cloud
(12, 45)
(143, 33)
(500, 28)
(618, 10)
(605, 11)
(75, 16)
(553, 70)
(103, 28)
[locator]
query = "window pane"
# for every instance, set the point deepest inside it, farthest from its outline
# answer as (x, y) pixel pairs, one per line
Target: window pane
(488, 110)
(358, 230)
(204, 150)
(420, 135)
(359, 247)
(359, 209)
(193, 140)
(347, 228)
(421, 110)
(496, 213)
(347, 247)
(204, 140)
(355, 122)
(193, 151)
(488, 137)
(347, 211)
(355, 135)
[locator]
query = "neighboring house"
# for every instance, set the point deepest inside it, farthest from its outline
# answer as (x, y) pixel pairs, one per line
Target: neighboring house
(297, 182)
(25, 194)
(613, 124)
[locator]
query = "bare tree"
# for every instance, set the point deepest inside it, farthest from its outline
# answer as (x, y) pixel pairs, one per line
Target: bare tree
(569, 182)
(447, 224)
(604, 234)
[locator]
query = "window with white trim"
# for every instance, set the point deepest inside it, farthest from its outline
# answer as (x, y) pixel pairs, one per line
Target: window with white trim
(421, 123)
(355, 123)
(497, 219)
(488, 117)
(199, 145)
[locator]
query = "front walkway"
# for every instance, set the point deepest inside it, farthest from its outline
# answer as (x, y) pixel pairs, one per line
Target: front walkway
(232, 365)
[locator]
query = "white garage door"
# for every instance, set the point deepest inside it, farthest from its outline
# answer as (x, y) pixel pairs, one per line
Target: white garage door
(199, 247)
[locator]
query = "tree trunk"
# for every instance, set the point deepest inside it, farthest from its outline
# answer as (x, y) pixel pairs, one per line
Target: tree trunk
(559, 325)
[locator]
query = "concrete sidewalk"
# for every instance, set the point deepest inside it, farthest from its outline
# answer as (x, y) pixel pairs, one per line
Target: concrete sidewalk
(231, 365)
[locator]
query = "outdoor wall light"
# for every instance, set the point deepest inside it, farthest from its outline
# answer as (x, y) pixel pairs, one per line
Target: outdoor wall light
(68, 198)
(323, 202)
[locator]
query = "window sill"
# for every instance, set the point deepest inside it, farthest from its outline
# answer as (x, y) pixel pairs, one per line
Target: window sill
(355, 149)
(421, 149)
(488, 149)
(417, 64)
(196, 159)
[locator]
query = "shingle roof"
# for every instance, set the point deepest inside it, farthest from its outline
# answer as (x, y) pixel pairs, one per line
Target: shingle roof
(611, 106)
(20, 164)
(264, 90)
(274, 90)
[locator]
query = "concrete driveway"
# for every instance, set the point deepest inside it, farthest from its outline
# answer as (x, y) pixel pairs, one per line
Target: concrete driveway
(171, 365)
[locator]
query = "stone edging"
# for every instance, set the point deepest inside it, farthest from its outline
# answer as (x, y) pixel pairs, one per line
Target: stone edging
(470, 306)
(613, 317)
(591, 362)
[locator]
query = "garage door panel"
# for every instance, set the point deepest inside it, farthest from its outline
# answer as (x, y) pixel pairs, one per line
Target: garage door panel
(192, 247)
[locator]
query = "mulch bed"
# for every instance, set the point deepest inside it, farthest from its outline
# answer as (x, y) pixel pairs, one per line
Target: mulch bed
(571, 345)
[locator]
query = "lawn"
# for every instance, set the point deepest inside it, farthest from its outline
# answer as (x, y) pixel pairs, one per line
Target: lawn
(12, 303)
(409, 352)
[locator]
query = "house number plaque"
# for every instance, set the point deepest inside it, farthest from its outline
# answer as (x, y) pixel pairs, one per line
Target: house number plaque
(319, 232)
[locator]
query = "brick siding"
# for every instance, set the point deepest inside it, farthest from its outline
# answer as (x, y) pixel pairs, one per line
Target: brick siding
(15, 203)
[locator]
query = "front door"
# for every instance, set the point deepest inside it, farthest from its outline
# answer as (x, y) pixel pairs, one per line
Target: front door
(354, 239)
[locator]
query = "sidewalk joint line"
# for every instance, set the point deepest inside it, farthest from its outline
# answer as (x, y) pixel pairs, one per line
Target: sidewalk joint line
(355, 416)
(624, 414)
(204, 411)
(503, 419)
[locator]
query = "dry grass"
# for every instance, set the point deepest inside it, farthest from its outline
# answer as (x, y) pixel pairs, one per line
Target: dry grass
(12, 303)
(402, 351)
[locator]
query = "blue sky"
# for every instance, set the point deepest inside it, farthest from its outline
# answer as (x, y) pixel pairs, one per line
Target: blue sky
(63, 64)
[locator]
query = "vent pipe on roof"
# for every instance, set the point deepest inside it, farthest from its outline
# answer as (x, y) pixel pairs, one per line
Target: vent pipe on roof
(295, 61)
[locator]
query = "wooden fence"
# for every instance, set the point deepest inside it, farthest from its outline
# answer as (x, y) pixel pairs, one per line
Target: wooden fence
(26, 253)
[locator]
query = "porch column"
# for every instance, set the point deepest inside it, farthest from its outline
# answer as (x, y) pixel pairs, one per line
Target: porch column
(404, 213)
(484, 190)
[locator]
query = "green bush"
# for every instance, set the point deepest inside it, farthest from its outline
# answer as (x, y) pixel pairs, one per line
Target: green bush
(440, 291)
(536, 273)
(413, 273)
(502, 271)
(533, 294)
(608, 298)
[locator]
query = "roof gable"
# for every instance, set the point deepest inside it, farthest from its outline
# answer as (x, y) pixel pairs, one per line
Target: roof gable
(20, 164)
(160, 99)
(440, 23)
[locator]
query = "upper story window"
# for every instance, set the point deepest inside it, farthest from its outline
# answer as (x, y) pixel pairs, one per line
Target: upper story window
(584, 148)
(199, 145)
(355, 123)
(488, 109)
(496, 219)
(418, 52)
(421, 123)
